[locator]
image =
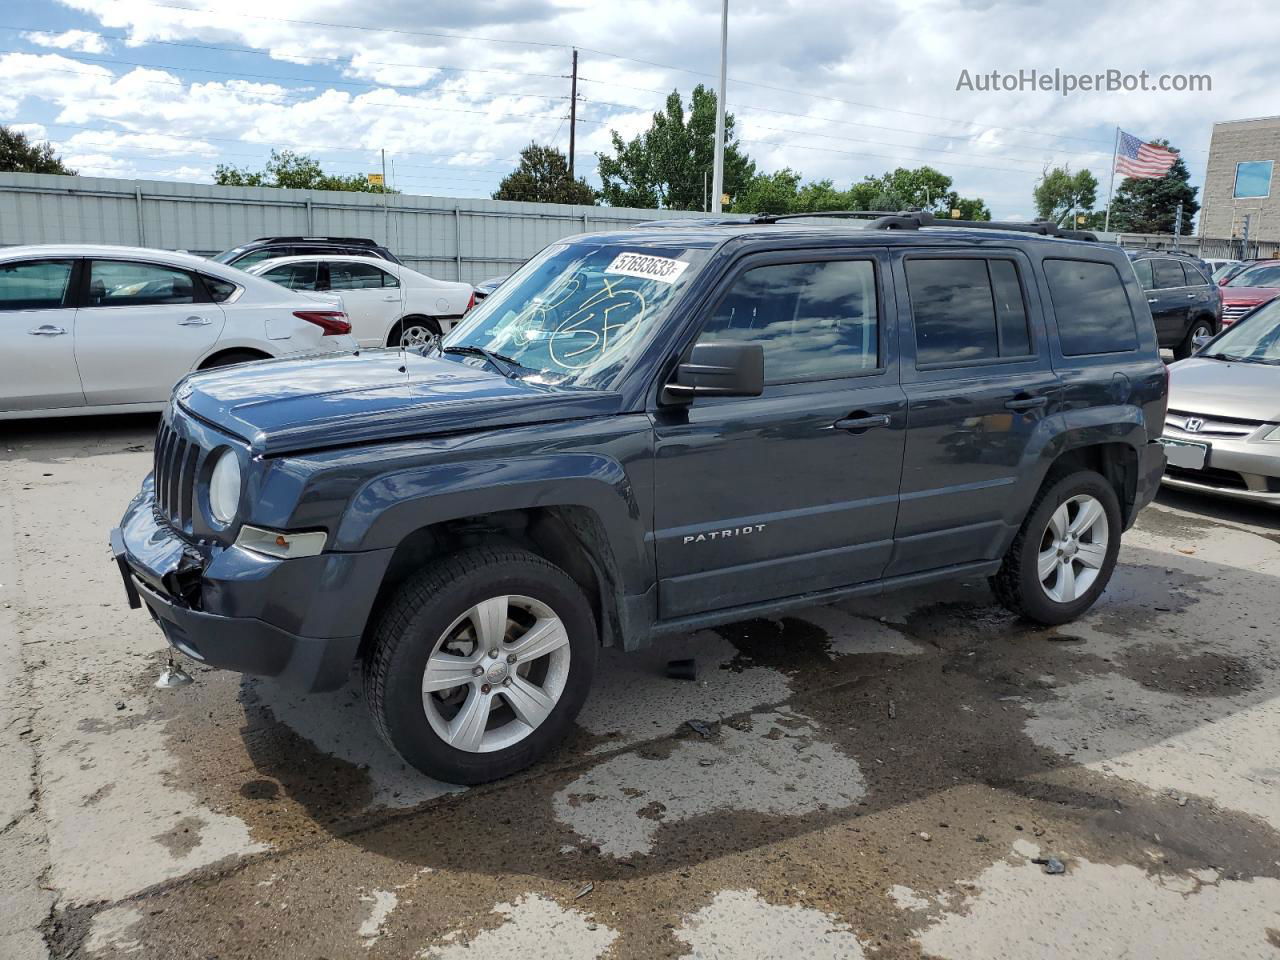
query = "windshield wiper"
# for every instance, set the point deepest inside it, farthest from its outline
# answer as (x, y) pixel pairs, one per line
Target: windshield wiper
(504, 365)
(1232, 358)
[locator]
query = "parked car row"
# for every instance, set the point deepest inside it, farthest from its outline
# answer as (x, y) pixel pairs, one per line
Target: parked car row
(101, 329)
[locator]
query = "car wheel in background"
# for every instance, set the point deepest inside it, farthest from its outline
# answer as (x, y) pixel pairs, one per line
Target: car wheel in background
(1188, 345)
(232, 357)
(413, 332)
(1065, 552)
(480, 663)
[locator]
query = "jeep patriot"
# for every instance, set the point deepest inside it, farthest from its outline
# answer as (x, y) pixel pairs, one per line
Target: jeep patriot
(650, 431)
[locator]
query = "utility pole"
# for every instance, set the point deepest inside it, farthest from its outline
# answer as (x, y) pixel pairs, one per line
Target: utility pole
(573, 109)
(1177, 226)
(386, 211)
(717, 176)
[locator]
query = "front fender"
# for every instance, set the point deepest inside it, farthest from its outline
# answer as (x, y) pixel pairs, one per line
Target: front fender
(393, 505)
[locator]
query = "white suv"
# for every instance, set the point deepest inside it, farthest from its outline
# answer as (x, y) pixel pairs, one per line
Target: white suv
(389, 304)
(101, 329)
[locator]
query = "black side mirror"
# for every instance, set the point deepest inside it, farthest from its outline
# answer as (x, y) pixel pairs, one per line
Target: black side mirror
(718, 370)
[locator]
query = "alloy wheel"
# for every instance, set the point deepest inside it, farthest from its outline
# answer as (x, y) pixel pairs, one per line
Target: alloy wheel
(1073, 548)
(496, 674)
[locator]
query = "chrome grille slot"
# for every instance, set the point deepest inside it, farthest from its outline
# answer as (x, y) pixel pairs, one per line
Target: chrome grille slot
(177, 461)
(1211, 426)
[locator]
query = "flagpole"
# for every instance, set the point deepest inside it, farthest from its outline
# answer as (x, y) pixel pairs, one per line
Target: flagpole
(1115, 153)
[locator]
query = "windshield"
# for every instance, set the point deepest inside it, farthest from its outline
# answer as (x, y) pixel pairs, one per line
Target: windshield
(1255, 339)
(576, 313)
(1265, 275)
(226, 256)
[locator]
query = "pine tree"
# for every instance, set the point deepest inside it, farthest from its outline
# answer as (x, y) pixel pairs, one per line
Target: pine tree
(1150, 206)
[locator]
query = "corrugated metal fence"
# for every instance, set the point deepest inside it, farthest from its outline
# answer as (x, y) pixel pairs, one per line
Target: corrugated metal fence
(452, 239)
(1228, 248)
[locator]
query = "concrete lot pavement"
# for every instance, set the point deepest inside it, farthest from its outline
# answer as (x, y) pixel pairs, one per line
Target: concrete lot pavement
(878, 780)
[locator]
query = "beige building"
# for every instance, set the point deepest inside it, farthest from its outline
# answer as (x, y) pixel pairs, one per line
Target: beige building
(1243, 178)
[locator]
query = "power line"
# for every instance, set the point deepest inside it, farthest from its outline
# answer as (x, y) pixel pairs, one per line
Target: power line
(849, 123)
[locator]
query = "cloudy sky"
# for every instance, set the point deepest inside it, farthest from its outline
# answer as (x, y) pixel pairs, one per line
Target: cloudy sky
(452, 89)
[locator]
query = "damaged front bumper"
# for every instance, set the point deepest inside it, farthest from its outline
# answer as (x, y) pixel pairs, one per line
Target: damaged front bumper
(299, 620)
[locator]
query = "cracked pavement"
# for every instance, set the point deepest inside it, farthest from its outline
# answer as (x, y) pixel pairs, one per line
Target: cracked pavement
(877, 778)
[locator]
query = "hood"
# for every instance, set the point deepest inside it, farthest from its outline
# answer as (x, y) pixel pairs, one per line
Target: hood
(331, 401)
(1247, 391)
(1237, 295)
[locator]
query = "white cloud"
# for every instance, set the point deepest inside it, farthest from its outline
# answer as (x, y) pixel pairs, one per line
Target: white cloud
(872, 91)
(76, 41)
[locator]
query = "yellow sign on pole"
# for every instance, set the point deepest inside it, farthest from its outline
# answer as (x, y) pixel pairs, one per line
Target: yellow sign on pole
(1081, 219)
(375, 179)
(724, 199)
(955, 213)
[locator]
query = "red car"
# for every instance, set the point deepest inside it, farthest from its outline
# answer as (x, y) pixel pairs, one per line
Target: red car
(1260, 283)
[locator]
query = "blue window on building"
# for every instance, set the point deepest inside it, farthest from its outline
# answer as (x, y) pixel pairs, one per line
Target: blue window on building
(1253, 179)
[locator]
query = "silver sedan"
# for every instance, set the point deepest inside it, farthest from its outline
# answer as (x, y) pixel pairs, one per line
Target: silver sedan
(1222, 434)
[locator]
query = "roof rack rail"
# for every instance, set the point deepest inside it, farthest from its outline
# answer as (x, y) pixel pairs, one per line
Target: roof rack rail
(353, 241)
(915, 219)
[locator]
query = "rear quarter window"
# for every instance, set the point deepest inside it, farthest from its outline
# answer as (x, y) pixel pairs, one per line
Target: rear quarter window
(1091, 307)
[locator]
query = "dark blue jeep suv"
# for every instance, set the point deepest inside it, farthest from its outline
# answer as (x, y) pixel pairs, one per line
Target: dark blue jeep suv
(651, 431)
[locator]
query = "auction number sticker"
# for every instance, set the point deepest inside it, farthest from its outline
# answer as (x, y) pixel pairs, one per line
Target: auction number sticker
(662, 269)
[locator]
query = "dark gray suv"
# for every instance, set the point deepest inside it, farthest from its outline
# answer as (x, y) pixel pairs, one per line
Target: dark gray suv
(1186, 305)
(647, 432)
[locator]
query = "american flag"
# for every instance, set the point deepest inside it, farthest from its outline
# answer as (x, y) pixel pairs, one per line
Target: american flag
(1143, 161)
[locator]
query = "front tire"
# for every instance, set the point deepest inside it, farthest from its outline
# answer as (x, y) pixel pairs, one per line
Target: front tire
(1188, 345)
(480, 663)
(1064, 553)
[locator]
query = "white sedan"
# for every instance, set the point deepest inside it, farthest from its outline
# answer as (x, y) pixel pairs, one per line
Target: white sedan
(101, 329)
(389, 304)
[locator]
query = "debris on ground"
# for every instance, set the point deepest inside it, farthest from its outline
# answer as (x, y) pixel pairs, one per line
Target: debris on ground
(700, 728)
(1051, 865)
(587, 888)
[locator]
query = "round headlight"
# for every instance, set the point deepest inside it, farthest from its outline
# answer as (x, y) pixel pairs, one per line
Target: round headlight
(224, 488)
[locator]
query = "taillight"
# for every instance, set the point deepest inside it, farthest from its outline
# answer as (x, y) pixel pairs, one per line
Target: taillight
(470, 303)
(332, 322)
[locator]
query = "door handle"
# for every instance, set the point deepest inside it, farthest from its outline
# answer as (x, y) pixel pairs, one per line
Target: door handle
(1192, 296)
(390, 299)
(1026, 403)
(195, 322)
(47, 330)
(1153, 299)
(862, 423)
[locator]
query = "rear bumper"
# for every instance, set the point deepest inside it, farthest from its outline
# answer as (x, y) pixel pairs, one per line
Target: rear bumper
(297, 620)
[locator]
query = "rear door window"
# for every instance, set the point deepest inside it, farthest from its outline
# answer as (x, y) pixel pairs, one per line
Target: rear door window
(1145, 276)
(1169, 274)
(347, 275)
(1091, 307)
(122, 283)
(967, 309)
(295, 276)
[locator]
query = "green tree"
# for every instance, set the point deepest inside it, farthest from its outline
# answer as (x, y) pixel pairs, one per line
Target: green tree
(19, 155)
(669, 165)
(1150, 206)
(1060, 192)
(776, 192)
(921, 188)
(543, 177)
(295, 171)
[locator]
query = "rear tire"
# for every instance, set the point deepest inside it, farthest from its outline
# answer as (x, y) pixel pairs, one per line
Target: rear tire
(413, 332)
(440, 697)
(1188, 345)
(1064, 553)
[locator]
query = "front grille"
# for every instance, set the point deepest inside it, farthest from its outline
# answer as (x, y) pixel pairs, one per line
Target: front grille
(1223, 427)
(176, 461)
(1232, 314)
